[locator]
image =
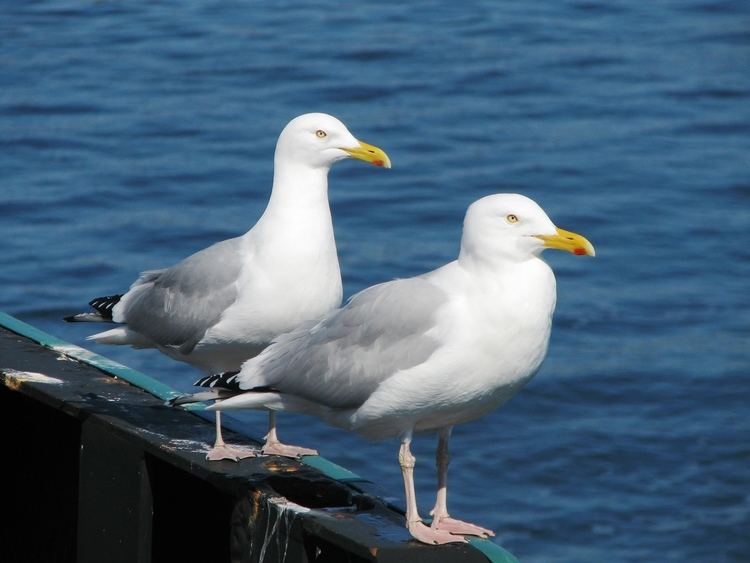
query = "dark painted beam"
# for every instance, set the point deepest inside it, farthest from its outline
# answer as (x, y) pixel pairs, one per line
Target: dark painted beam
(97, 467)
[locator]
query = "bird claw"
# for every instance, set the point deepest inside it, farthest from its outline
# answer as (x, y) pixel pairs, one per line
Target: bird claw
(285, 450)
(459, 527)
(432, 536)
(233, 453)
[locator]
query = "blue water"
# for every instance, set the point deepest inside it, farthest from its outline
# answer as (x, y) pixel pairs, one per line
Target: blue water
(134, 133)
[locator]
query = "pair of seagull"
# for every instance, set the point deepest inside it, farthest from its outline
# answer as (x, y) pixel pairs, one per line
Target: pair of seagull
(261, 313)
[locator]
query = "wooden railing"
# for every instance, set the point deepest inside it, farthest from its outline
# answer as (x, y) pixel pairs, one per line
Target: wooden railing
(97, 470)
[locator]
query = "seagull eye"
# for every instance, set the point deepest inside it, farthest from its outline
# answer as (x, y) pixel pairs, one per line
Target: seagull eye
(511, 218)
(320, 134)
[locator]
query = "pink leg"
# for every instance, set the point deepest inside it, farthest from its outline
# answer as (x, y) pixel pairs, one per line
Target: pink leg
(440, 518)
(223, 451)
(417, 529)
(274, 447)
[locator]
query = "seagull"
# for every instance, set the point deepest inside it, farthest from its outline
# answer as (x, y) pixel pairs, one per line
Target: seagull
(423, 353)
(226, 303)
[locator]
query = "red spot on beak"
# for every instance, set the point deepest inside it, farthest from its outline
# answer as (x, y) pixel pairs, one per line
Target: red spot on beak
(378, 162)
(579, 251)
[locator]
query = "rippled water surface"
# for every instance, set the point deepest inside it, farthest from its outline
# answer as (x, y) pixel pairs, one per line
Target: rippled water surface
(134, 133)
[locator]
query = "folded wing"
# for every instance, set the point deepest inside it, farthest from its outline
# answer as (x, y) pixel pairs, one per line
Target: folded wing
(176, 306)
(341, 360)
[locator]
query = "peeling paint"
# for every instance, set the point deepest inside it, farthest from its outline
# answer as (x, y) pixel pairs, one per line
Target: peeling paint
(282, 467)
(14, 378)
(193, 446)
(279, 532)
(64, 358)
(286, 504)
(75, 352)
(112, 398)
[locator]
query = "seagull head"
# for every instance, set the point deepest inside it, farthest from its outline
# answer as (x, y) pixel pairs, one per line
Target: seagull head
(317, 140)
(514, 227)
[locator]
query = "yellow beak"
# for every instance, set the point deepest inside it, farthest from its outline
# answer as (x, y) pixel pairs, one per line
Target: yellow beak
(371, 154)
(570, 242)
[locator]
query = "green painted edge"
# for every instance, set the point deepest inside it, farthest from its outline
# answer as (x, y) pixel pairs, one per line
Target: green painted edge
(491, 550)
(145, 382)
(153, 386)
(330, 469)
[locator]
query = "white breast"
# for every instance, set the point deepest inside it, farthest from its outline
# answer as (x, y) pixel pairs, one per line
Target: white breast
(288, 278)
(494, 336)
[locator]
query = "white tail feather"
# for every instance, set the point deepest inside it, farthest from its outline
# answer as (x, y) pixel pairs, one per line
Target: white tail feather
(121, 336)
(272, 401)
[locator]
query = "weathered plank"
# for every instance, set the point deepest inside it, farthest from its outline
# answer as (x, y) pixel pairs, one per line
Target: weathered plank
(95, 465)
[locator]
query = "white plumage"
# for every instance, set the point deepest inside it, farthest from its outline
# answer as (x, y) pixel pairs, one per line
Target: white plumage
(424, 353)
(224, 304)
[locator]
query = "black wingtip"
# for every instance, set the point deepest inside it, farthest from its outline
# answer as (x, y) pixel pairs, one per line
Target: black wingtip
(225, 380)
(184, 400)
(104, 305)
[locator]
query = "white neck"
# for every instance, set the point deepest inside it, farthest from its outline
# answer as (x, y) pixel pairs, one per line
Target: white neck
(292, 272)
(486, 261)
(296, 226)
(297, 186)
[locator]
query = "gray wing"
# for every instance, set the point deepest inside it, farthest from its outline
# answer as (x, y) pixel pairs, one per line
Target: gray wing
(340, 361)
(177, 305)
